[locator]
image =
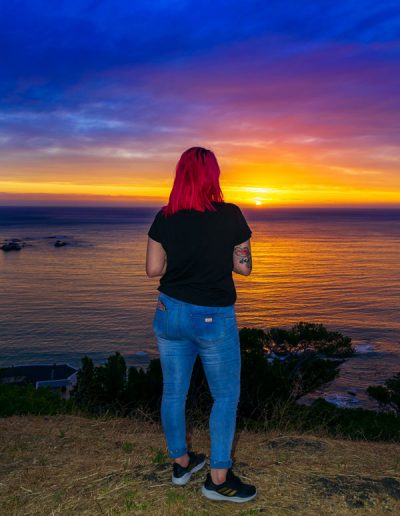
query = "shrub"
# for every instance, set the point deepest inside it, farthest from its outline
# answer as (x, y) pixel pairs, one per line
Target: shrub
(263, 383)
(26, 399)
(354, 423)
(387, 396)
(304, 336)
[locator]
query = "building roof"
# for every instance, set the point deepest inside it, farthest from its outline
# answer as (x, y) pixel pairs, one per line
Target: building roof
(33, 373)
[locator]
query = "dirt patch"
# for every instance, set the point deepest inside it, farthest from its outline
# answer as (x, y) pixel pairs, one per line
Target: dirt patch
(155, 474)
(296, 442)
(357, 491)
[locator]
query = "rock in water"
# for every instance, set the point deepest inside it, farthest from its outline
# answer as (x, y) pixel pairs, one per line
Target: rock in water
(11, 246)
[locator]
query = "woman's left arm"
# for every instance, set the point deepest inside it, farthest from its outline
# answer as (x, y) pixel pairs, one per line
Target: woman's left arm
(156, 259)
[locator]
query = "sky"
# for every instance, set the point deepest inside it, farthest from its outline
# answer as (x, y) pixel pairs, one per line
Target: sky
(298, 100)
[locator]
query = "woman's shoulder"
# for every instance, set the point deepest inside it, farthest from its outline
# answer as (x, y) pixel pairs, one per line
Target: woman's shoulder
(227, 205)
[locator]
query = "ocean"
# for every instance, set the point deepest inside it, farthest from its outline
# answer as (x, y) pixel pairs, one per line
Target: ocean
(338, 267)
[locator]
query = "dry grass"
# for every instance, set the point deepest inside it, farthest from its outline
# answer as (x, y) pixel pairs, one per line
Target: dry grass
(75, 465)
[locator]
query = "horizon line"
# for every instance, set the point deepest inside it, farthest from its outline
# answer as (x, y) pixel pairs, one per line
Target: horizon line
(243, 205)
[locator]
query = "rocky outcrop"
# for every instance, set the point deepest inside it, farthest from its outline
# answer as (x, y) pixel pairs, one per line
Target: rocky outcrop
(16, 244)
(13, 244)
(59, 243)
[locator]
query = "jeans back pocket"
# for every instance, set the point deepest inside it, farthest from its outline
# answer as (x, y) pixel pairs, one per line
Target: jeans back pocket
(208, 327)
(160, 321)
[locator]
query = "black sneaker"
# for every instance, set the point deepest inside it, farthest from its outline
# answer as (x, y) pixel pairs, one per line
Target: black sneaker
(232, 490)
(181, 475)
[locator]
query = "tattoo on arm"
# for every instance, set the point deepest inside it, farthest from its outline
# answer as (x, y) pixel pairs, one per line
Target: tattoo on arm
(244, 255)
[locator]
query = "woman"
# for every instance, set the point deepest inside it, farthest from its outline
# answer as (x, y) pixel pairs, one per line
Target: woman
(194, 244)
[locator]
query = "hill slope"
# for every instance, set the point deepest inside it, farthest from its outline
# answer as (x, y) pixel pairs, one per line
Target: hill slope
(75, 465)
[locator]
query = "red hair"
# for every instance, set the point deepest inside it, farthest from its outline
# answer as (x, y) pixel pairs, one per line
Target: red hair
(196, 182)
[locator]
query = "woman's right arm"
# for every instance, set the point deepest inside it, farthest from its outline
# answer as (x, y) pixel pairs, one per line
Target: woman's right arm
(242, 263)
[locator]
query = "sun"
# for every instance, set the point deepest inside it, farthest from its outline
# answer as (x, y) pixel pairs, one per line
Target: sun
(257, 202)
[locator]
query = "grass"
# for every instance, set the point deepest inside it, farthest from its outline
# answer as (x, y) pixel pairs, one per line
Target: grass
(159, 456)
(68, 464)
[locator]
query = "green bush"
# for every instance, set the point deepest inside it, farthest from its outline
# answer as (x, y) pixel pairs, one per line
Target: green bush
(305, 336)
(263, 383)
(387, 396)
(26, 399)
(354, 423)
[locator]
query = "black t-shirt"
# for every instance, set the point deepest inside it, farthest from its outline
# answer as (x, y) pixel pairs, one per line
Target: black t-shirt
(199, 248)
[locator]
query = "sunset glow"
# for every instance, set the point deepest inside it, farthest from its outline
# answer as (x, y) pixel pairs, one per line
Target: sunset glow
(299, 111)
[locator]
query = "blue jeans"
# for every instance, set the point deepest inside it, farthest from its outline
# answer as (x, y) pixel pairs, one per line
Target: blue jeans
(184, 330)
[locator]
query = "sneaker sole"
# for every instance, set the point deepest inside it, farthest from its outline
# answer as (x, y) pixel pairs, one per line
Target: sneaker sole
(181, 481)
(213, 495)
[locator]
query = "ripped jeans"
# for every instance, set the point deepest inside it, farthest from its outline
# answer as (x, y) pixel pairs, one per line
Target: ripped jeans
(184, 330)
